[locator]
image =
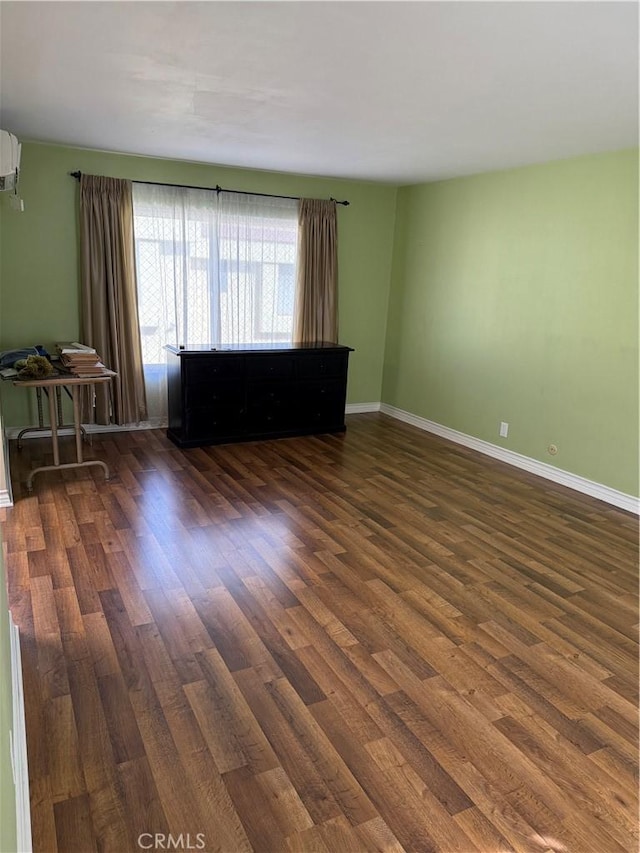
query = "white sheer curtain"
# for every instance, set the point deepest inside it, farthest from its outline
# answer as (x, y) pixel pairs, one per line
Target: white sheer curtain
(212, 268)
(257, 248)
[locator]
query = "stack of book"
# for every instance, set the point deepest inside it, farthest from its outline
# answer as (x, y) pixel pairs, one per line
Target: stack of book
(81, 360)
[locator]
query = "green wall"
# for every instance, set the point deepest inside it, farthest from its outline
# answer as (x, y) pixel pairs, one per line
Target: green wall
(39, 270)
(514, 298)
(8, 837)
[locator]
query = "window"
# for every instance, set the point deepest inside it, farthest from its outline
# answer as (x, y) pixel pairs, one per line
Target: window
(213, 268)
(285, 289)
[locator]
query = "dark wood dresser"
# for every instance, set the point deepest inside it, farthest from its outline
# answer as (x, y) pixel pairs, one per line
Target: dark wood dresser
(244, 393)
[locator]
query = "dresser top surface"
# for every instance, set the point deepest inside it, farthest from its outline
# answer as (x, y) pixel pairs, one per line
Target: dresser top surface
(199, 349)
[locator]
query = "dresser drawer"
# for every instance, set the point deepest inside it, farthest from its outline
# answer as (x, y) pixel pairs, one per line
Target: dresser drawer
(270, 419)
(272, 405)
(213, 421)
(270, 367)
(326, 416)
(214, 393)
(206, 368)
(317, 365)
(321, 402)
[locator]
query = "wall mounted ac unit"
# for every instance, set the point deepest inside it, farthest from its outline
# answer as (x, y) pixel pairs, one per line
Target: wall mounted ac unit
(9, 160)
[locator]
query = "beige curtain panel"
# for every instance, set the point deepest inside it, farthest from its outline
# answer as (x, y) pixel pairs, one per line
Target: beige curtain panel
(316, 303)
(109, 295)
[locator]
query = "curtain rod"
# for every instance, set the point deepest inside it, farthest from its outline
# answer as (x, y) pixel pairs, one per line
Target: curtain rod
(218, 189)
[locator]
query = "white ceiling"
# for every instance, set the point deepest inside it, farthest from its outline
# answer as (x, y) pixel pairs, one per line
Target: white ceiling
(401, 92)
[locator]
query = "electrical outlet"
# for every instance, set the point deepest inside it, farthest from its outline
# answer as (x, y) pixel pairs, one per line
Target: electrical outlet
(504, 429)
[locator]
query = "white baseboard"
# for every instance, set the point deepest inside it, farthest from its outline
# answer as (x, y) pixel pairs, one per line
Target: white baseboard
(155, 423)
(19, 746)
(5, 498)
(359, 408)
(534, 466)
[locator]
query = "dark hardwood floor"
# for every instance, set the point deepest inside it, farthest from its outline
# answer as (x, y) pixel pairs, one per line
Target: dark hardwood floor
(377, 641)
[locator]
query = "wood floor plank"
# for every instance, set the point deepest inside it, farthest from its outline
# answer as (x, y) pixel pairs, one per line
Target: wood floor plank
(225, 701)
(253, 803)
(72, 628)
(376, 836)
(142, 800)
(218, 820)
(447, 834)
(106, 797)
(120, 719)
(373, 641)
(353, 801)
(300, 767)
(74, 828)
(100, 644)
(65, 766)
(183, 809)
(284, 801)
(413, 752)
